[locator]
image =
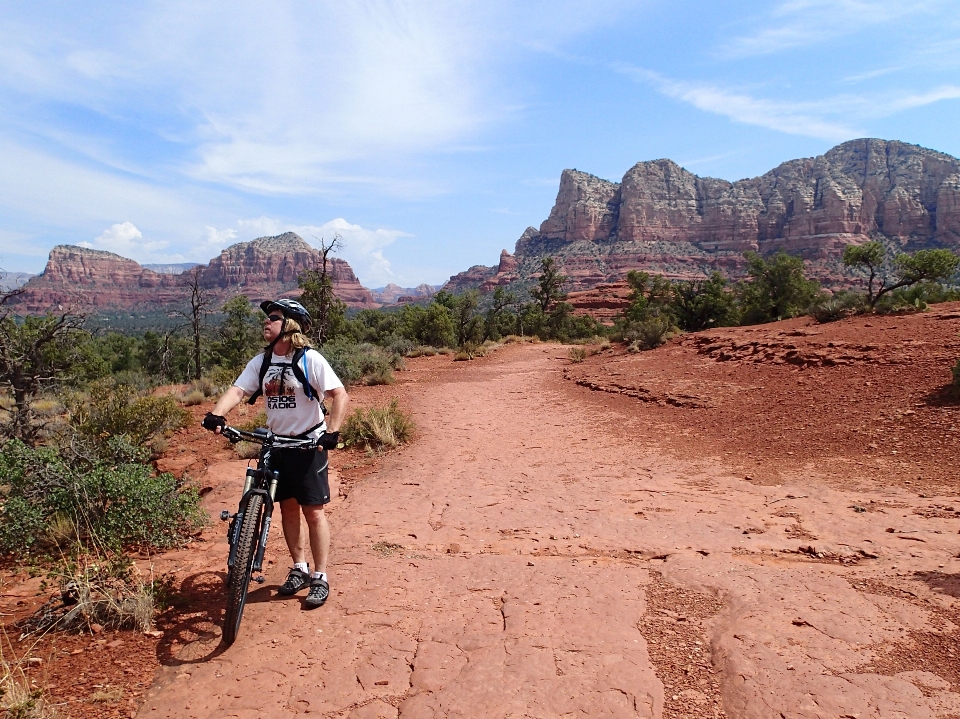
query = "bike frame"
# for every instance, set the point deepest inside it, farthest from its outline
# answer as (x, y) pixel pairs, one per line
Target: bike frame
(261, 480)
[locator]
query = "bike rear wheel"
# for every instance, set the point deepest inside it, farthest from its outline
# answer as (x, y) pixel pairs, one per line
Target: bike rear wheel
(242, 568)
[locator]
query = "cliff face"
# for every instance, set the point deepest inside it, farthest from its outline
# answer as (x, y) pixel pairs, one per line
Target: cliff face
(264, 268)
(662, 218)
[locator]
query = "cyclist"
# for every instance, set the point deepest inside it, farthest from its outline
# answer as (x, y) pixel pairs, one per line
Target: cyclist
(295, 379)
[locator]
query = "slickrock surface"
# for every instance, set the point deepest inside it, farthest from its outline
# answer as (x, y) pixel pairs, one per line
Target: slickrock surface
(545, 550)
(267, 267)
(663, 218)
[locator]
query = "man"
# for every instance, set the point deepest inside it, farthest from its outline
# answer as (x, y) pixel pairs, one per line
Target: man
(294, 382)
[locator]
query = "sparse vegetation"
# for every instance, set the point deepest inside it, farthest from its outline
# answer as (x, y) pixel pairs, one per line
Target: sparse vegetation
(377, 428)
(577, 354)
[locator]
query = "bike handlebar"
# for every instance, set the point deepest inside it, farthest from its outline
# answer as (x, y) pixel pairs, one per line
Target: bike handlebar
(265, 436)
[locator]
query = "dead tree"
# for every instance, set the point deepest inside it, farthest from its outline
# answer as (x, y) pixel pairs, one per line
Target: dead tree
(317, 285)
(201, 301)
(36, 353)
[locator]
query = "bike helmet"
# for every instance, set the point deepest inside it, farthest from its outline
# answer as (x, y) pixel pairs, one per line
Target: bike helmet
(290, 308)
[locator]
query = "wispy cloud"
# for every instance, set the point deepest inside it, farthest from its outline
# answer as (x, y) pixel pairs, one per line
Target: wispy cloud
(826, 119)
(795, 118)
(800, 23)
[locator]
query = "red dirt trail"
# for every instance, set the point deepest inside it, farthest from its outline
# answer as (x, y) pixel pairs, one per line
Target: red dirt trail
(754, 522)
(544, 550)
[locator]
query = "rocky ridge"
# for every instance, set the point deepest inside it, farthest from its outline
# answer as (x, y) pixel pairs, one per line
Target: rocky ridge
(665, 219)
(267, 267)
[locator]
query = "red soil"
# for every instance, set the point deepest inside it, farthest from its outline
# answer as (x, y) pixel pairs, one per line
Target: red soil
(711, 534)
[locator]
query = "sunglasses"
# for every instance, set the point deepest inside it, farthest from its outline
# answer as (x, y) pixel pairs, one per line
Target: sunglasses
(275, 318)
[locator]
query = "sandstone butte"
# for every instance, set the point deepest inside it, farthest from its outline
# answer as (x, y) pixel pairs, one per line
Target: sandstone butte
(662, 218)
(267, 267)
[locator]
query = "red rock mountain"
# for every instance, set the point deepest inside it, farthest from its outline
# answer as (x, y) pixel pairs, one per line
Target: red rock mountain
(662, 218)
(267, 267)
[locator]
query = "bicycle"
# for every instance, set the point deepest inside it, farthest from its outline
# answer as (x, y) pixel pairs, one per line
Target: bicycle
(249, 528)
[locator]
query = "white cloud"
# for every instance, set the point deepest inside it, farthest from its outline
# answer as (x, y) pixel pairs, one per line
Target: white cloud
(123, 238)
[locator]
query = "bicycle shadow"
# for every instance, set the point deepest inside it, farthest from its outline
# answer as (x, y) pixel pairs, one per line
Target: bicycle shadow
(193, 627)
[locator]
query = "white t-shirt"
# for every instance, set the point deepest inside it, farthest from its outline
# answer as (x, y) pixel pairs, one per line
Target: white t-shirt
(289, 410)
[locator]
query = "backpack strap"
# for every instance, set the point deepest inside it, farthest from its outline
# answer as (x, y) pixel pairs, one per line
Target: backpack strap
(302, 373)
(264, 366)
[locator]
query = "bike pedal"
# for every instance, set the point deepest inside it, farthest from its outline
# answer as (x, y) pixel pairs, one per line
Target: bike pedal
(260, 579)
(225, 515)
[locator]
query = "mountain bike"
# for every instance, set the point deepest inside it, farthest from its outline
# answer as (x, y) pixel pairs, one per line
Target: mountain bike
(249, 528)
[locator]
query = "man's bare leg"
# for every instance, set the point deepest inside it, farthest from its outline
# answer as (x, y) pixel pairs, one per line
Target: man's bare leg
(290, 518)
(319, 535)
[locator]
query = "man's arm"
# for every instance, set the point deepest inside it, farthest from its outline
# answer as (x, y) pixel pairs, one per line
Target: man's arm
(339, 399)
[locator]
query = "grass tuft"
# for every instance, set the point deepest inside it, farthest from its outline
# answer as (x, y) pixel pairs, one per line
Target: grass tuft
(377, 428)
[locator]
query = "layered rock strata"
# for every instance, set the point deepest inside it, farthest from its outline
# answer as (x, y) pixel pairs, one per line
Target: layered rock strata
(268, 267)
(662, 218)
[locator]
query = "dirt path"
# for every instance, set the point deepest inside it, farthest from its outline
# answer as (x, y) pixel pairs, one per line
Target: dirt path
(535, 554)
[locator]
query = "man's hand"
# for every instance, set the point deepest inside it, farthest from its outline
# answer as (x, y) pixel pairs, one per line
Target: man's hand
(214, 422)
(329, 440)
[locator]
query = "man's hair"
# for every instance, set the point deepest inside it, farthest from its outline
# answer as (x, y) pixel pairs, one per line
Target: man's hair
(293, 333)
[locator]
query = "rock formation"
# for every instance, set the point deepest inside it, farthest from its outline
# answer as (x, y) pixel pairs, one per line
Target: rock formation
(662, 218)
(394, 294)
(264, 268)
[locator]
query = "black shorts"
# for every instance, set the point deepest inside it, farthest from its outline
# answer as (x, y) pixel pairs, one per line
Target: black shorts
(303, 475)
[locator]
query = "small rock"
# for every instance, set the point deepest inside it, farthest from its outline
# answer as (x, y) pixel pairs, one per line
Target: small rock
(96, 628)
(34, 661)
(453, 548)
(529, 564)
(154, 633)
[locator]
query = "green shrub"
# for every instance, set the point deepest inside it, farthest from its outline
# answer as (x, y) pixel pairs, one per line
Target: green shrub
(382, 375)
(193, 398)
(110, 411)
(577, 354)
(378, 427)
(842, 304)
(258, 420)
(112, 502)
(647, 334)
(353, 363)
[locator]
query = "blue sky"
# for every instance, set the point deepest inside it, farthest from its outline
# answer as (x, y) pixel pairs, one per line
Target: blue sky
(428, 134)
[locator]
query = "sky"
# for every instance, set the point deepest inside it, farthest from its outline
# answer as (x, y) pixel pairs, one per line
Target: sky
(427, 134)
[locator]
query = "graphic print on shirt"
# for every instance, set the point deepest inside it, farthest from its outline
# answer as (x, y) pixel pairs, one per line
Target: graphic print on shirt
(278, 393)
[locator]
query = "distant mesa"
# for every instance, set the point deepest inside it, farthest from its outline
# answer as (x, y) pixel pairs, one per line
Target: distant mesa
(174, 269)
(13, 280)
(267, 267)
(662, 218)
(394, 294)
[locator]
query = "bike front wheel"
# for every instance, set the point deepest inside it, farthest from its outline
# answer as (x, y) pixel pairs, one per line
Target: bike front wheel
(242, 569)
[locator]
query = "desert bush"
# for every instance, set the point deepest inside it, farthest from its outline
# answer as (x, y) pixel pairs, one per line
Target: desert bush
(103, 588)
(220, 378)
(377, 428)
(111, 501)
(381, 375)
(842, 304)
(19, 698)
(193, 398)
(577, 354)
(646, 334)
(110, 411)
(354, 362)
(204, 385)
(247, 450)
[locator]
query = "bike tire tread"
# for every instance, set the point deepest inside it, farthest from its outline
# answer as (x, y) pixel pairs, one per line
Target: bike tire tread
(242, 569)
